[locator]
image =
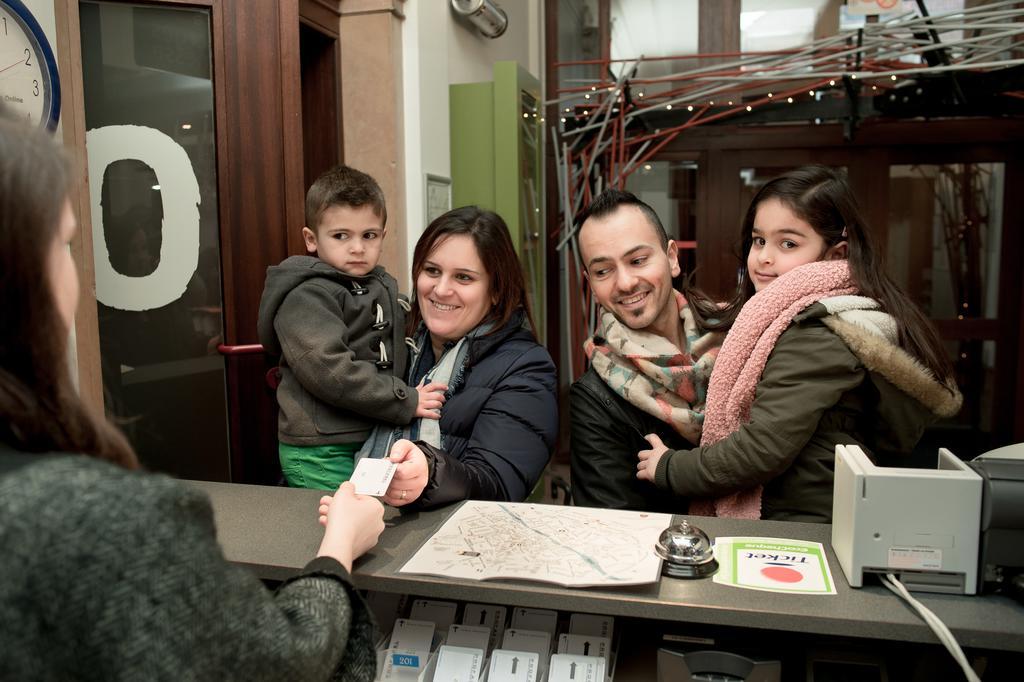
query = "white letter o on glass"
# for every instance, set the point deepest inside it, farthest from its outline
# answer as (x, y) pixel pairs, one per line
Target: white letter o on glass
(179, 191)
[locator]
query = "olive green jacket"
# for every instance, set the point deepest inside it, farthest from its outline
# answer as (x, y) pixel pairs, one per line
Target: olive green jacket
(828, 381)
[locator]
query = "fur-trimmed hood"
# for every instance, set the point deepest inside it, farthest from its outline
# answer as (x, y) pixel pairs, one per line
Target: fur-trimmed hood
(872, 336)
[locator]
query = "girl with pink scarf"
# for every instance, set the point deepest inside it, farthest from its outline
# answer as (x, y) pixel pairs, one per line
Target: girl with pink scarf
(823, 348)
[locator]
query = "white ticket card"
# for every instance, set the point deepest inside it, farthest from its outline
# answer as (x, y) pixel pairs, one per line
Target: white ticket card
(535, 619)
(591, 624)
(584, 645)
(472, 636)
(570, 668)
(441, 613)
(528, 640)
(403, 665)
(488, 615)
(458, 664)
(373, 476)
(415, 635)
(513, 666)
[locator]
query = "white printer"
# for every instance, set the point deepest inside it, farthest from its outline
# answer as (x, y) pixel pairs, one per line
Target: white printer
(919, 524)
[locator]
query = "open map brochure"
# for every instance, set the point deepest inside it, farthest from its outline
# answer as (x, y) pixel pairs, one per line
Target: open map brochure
(569, 546)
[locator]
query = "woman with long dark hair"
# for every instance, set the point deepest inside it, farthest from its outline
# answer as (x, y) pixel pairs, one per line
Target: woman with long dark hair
(107, 572)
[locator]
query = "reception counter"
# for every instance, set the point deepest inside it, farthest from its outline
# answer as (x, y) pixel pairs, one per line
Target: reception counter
(273, 531)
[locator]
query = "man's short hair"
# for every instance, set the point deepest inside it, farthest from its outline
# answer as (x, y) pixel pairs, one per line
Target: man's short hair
(609, 201)
(343, 186)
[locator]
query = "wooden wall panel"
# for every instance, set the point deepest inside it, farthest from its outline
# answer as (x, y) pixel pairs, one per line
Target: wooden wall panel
(261, 190)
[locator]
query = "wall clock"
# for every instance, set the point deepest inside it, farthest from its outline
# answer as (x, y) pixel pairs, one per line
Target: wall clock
(29, 82)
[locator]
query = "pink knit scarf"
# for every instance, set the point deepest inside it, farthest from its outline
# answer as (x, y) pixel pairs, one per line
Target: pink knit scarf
(742, 359)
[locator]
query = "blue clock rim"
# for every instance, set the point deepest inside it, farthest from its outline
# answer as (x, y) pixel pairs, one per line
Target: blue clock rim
(23, 12)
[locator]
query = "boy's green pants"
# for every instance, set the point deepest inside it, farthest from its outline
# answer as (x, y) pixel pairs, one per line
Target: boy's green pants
(322, 467)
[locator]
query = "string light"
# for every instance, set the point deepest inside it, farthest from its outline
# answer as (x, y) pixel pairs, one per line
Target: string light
(640, 94)
(769, 95)
(893, 77)
(563, 119)
(689, 108)
(831, 82)
(525, 115)
(668, 106)
(811, 93)
(749, 108)
(730, 103)
(789, 99)
(586, 96)
(711, 103)
(593, 88)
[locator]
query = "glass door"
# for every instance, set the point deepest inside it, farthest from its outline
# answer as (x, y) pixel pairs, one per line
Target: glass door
(150, 141)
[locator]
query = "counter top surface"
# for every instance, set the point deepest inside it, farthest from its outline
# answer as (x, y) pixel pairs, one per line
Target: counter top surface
(274, 532)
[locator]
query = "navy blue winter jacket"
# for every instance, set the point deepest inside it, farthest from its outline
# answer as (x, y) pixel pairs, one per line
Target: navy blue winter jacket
(499, 423)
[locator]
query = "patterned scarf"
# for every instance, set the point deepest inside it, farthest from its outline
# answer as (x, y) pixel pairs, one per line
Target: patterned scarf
(650, 373)
(743, 356)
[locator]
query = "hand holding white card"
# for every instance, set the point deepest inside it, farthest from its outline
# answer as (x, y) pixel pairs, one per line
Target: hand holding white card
(373, 476)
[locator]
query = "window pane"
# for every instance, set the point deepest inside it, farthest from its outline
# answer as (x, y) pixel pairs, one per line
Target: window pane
(670, 188)
(945, 223)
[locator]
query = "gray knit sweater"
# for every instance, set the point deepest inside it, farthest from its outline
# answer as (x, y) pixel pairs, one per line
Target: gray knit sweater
(108, 574)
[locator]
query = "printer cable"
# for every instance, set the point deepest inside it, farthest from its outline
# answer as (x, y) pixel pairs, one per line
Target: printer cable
(933, 621)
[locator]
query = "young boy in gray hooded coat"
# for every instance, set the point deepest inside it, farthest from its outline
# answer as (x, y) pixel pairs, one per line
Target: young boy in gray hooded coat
(337, 321)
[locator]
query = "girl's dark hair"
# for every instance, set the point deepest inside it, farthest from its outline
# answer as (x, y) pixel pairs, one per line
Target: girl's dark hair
(821, 197)
(494, 245)
(39, 407)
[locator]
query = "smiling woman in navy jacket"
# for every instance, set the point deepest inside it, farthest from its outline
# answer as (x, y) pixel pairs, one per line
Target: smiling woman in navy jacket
(472, 330)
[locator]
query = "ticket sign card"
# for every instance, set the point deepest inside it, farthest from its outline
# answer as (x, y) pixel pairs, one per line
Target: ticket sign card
(513, 666)
(570, 668)
(412, 635)
(441, 613)
(773, 565)
(458, 664)
(591, 624)
(528, 640)
(487, 615)
(584, 645)
(535, 619)
(472, 636)
(373, 476)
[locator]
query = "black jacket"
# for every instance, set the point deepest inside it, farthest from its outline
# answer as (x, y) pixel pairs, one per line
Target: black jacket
(499, 423)
(606, 434)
